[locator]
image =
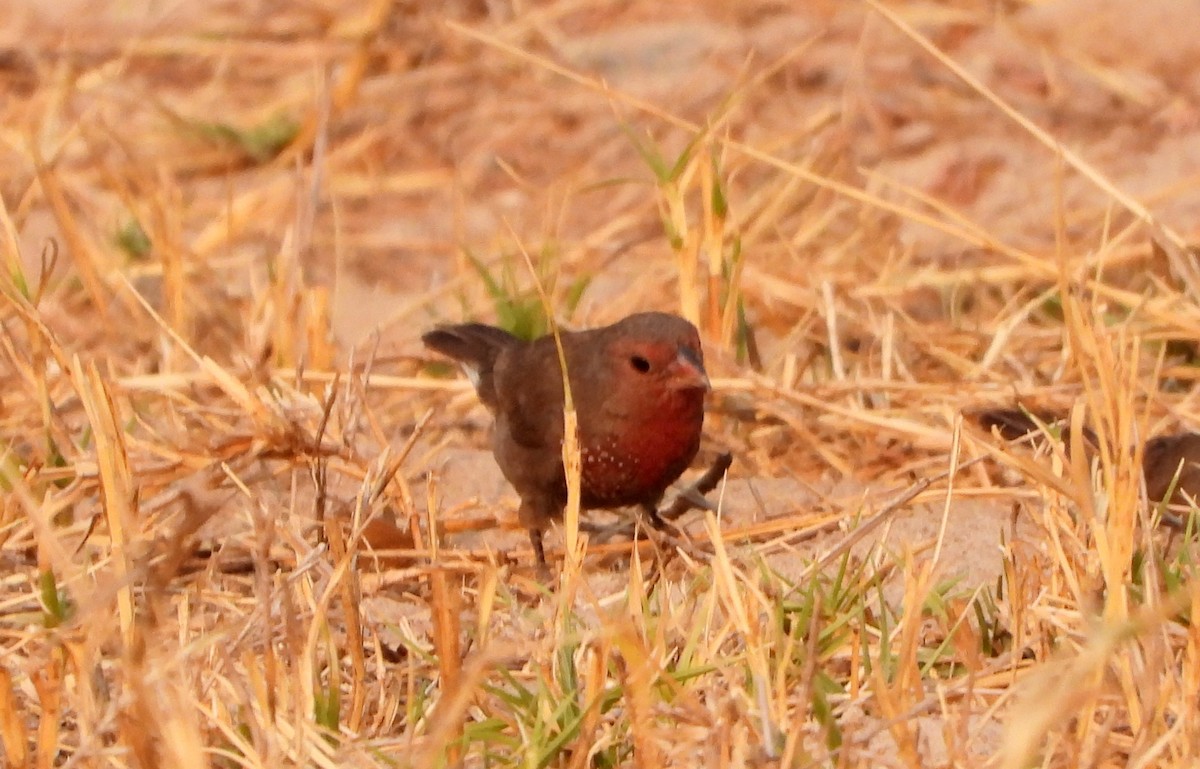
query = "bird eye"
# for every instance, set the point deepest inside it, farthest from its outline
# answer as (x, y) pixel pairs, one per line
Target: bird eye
(639, 364)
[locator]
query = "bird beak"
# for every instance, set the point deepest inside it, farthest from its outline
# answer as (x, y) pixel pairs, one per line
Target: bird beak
(687, 373)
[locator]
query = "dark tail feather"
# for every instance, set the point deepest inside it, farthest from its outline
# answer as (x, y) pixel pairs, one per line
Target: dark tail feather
(476, 346)
(1014, 424)
(471, 343)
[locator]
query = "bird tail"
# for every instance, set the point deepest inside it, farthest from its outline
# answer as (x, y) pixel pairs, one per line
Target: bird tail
(1014, 424)
(476, 347)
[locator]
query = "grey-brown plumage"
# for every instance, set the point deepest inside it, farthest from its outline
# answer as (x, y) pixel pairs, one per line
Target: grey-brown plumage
(638, 387)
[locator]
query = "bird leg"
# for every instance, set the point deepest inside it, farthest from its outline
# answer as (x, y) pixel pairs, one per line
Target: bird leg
(693, 496)
(539, 551)
(690, 498)
(664, 531)
(534, 514)
(605, 532)
(655, 519)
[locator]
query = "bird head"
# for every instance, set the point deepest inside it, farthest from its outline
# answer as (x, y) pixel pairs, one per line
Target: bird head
(659, 364)
(658, 355)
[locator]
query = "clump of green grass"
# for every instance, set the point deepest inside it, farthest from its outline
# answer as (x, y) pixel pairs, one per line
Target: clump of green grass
(713, 298)
(133, 240)
(259, 143)
(518, 307)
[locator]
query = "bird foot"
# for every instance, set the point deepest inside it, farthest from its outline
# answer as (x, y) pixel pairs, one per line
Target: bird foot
(601, 533)
(669, 538)
(693, 496)
(629, 530)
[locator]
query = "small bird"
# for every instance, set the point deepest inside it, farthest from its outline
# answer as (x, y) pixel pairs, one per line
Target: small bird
(638, 388)
(1170, 463)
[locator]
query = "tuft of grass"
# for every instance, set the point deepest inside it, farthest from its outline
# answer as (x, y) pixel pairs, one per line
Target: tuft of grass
(133, 240)
(712, 299)
(57, 609)
(521, 311)
(259, 143)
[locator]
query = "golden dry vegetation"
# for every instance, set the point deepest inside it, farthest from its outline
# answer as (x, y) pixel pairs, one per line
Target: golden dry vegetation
(247, 521)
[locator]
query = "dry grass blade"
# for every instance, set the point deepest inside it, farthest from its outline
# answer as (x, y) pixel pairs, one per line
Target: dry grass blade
(116, 484)
(12, 724)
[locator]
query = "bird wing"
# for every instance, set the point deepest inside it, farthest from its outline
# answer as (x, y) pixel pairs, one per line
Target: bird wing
(477, 347)
(528, 386)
